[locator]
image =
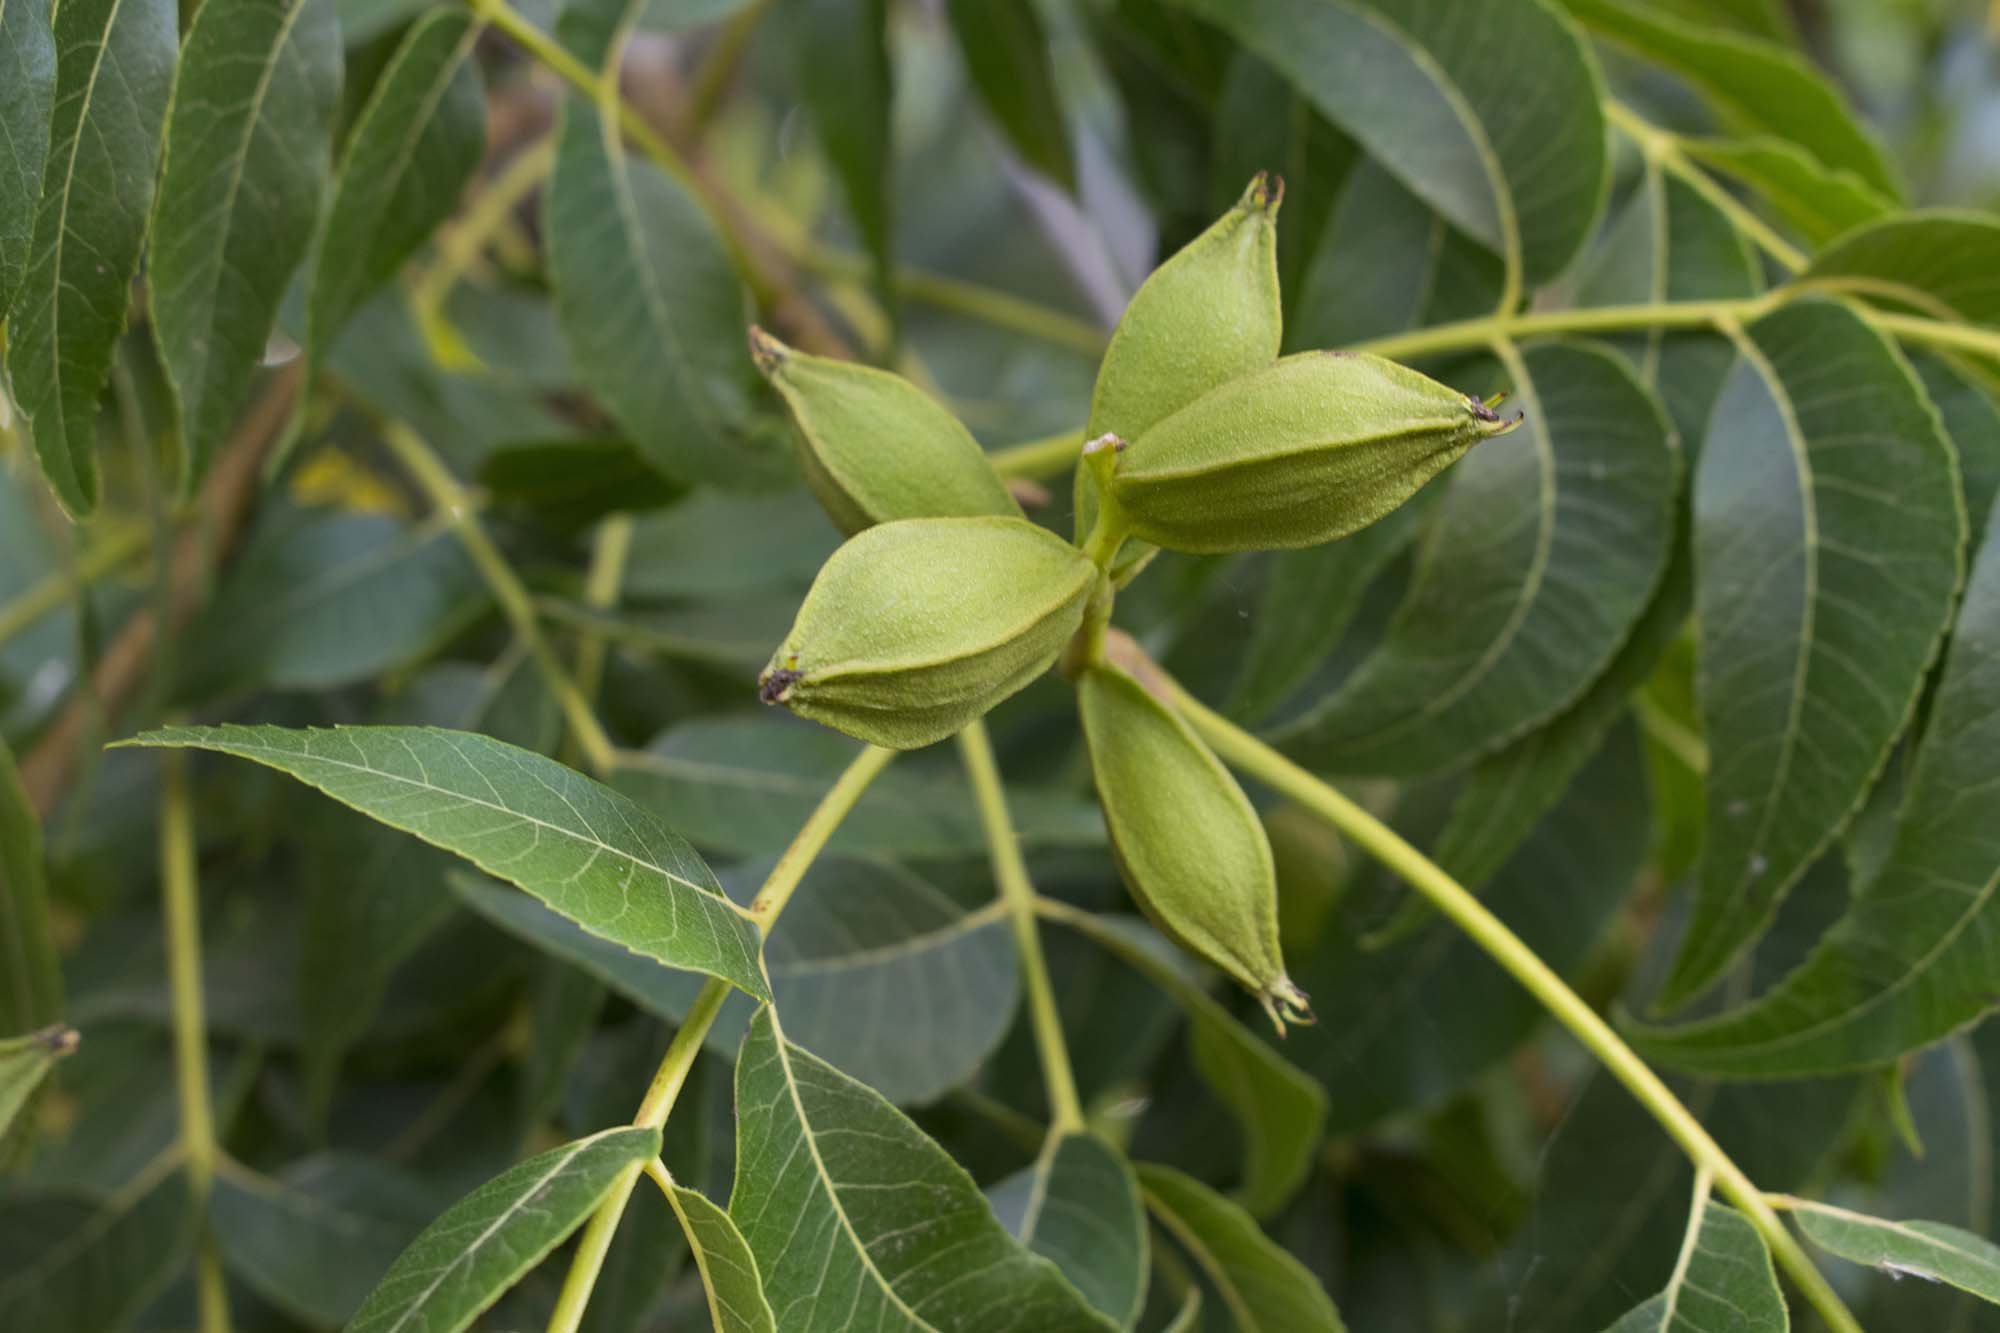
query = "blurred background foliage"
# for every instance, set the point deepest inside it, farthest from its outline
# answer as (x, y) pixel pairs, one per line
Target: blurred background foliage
(385, 1034)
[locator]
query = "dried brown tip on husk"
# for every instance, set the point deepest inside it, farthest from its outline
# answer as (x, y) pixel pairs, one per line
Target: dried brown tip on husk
(1285, 1003)
(1267, 191)
(773, 686)
(767, 351)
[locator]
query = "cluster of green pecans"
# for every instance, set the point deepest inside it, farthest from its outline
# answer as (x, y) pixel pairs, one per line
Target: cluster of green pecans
(946, 599)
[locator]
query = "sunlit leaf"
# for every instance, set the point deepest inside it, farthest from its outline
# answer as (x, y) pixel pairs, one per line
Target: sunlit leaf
(1820, 202)
(481, 1245)
(1723, 1282)
(849, 1208)
(728, 1270)
(604, 862)
(1928, 1250)
(24, 1062)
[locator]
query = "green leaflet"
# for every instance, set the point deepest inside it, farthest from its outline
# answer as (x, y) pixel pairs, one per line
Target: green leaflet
(591, 854)
(1078, 1205)
(840, 60)
(1938, 262)
(1929, 1250)
(1913, 959)
(1761, 86)
(1387, 261)
(1724, 1282)
(314, 1238)
(1543, 553)
(247, 150)
(322, 599)
(1821, 203)
(1281, 1109)
(1972, 424)
(1507, 792)
(736, 1301)
(413, 148)
(1820, 596)
(114, 67)
(848, 1207)
(888, 976)
(1007, 54)
(78, 1265)
(1262, 1286)
(1308, 599)
(651, 310)
(28, 55)
(481, 1245)
(30, 976)
(1524, 176)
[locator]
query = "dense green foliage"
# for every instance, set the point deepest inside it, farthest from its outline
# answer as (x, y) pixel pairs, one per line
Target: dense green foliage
(1367, 857)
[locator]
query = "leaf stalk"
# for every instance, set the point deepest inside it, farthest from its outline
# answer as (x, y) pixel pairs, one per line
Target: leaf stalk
(1017, 892)
(671, 1077)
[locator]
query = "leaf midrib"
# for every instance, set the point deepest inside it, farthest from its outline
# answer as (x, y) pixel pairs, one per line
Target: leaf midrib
(255, 751)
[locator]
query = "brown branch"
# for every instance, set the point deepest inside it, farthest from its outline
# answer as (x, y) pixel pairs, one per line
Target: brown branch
(222, 507)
